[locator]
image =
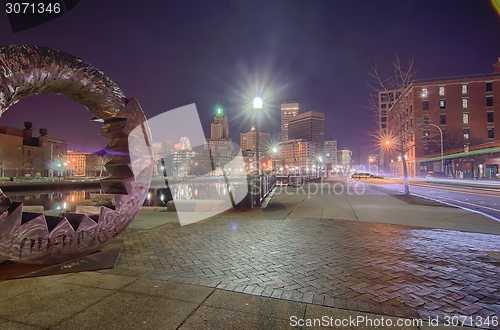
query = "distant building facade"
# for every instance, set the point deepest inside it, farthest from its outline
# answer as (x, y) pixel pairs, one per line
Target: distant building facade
(310, 126)
(22, 154)
(248, 142)
(77, 162)
(345, 159)
(463, 109)
(288, 111)
(331, 153)
(297, 156)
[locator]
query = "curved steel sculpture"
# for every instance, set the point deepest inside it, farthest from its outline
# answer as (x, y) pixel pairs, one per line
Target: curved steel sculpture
(39, 239)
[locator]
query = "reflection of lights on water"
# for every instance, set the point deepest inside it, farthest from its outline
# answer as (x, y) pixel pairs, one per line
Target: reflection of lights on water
(235, 226)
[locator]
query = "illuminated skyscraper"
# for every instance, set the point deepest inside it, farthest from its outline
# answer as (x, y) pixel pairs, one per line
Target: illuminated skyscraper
(288, 111)
(219, 129)
(309, 126)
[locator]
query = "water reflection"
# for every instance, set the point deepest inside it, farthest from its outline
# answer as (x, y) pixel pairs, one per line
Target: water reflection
(160, 196)
(60, 200)
(52, 200)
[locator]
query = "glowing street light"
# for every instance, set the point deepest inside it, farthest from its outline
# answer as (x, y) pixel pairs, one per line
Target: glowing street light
(257, 103)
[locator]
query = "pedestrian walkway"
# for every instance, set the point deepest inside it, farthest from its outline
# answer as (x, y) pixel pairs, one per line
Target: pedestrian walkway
(307, 255)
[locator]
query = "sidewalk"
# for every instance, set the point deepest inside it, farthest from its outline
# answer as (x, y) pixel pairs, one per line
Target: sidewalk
(306, 256)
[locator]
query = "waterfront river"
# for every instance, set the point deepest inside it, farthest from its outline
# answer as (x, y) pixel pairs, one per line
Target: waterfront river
(60, 200)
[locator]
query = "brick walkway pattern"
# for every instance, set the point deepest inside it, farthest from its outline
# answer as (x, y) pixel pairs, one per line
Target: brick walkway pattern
(379, 268)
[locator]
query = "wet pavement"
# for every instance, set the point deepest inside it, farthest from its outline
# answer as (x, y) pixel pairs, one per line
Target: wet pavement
(368, 252)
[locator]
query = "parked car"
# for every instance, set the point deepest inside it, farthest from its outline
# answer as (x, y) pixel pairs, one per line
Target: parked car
(437, 175)
(366, 176)
(361, 175)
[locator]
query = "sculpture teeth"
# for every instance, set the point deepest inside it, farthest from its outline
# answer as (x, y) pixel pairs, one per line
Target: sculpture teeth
(34, 238)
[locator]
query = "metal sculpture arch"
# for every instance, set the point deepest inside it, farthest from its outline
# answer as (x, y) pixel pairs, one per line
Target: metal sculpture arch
(39, 239)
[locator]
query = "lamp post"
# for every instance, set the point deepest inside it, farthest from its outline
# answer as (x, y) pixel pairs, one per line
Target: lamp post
(441, 134)
(257, 105)
(274, 159)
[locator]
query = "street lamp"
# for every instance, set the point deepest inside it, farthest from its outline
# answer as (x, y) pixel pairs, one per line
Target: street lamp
(257, 105)
(370, 160)
(274, 159)
(441, 134)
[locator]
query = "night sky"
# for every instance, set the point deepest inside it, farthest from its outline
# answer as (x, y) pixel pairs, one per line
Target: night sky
(224, 53)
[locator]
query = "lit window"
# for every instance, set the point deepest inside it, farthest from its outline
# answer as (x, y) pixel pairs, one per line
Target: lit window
(489, 87)
(489, 117)
(425, 105)
(489, 101)
(425, 92)
(442, 104)
(465, 118)
(442, 119)
(426, 133)
(465, 89)
(465, 103)
(491, 133)
(466, 133)
(441, 90)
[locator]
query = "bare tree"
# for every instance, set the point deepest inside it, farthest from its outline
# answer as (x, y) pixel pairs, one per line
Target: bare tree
(96, 162)
(399, 134)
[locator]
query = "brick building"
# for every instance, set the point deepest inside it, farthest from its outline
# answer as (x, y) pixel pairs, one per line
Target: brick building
(77, 162)
(461, 109)
(22, 154)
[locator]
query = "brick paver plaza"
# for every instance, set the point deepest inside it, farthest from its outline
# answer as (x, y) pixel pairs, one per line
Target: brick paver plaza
(295, 250)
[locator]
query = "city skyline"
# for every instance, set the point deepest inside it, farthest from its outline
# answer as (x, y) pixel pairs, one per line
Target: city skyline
(321, 60)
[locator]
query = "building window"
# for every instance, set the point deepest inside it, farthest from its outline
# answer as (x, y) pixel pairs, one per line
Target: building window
(425, 92)
(444, 134)
(442, 104)
(384, 105)
(491, 133)
(465, 103)
(426, 133)
(442, 119)
(425, 105)
(489, 86)
(489, 117)
(384, 119)
(426, 120)
(465, 118)
(441, 90)
(465, 89)
(384, 125)
(29, 153)
(383, 112)
(489, 101)
(466, 133)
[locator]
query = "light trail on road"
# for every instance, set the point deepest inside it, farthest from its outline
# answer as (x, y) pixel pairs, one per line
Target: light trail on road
(478, 200)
